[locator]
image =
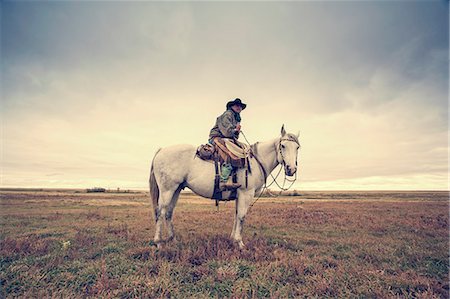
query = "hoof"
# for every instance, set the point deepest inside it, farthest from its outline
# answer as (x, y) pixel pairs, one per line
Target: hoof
(156, 243)
(241, 245)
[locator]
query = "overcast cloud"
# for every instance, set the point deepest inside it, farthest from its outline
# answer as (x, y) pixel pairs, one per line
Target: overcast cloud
(90, 90)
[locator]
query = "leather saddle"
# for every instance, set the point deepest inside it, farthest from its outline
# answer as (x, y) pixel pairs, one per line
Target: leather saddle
(225, 150)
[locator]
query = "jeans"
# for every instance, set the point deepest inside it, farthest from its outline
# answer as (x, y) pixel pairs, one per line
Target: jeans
(226, 168)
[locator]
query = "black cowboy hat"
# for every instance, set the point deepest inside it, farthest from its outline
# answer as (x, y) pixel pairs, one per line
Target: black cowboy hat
(236, 102)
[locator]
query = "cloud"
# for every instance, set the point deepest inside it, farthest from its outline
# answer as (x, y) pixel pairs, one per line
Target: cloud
(92, 89)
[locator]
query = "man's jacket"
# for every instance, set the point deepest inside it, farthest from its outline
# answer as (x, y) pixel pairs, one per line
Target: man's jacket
(225, 126)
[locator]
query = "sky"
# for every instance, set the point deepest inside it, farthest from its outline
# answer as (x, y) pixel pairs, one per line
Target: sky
(90, 90)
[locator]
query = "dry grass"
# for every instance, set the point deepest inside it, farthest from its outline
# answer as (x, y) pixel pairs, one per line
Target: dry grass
(319, 244)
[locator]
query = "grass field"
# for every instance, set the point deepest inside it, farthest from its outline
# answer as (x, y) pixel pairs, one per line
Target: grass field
(319, 244)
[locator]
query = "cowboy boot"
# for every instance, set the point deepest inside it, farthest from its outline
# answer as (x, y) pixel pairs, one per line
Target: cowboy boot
(225, 182)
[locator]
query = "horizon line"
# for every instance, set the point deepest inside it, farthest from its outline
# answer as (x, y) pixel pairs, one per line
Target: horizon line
(190, 191)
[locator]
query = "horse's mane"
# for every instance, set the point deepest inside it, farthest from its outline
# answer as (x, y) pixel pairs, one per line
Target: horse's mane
(254, 146)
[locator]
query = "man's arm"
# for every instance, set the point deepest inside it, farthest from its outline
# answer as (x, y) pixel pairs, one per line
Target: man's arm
(226, 125)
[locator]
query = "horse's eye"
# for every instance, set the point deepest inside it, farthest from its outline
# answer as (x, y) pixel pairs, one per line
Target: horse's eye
(282, 146)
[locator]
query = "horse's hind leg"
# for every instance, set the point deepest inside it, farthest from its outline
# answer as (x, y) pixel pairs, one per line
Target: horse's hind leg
(169, 212)
(164, 200)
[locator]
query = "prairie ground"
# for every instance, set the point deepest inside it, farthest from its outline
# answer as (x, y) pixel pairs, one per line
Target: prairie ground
(318, 244)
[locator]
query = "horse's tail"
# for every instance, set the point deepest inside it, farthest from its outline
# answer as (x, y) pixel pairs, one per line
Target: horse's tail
(154, 189)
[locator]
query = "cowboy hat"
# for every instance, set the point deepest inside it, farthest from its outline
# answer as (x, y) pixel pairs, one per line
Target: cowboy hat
(236, 102)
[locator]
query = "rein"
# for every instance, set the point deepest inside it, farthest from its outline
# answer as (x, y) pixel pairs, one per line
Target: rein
(283, 163)
(265, 187)
(253, 152)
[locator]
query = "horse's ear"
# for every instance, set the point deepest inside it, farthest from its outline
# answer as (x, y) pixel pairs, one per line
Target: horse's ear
(283, 131)
(298, 134)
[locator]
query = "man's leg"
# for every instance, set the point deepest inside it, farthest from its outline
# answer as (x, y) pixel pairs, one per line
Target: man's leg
(225, 179)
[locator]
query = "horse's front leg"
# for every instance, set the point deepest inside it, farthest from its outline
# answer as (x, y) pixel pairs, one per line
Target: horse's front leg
(233, 232)
(242, 204)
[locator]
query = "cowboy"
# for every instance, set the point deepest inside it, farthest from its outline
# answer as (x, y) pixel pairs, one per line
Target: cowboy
(228, 125)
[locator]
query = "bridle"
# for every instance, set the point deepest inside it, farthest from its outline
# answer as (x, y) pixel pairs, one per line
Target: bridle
(283, 163)
(288, 138)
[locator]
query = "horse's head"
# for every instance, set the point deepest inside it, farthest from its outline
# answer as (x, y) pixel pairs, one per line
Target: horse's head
(287, 148)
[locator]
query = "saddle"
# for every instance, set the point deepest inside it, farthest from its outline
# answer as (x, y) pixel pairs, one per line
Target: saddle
(225, 151)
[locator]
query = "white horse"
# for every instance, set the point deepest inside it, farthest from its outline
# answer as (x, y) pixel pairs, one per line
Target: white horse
(176, 167)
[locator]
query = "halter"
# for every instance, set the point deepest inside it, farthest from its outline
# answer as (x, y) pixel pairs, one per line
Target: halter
(265, 187)
(287, 138)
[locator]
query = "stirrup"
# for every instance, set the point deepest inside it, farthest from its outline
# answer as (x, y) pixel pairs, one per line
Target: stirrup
(228, 186)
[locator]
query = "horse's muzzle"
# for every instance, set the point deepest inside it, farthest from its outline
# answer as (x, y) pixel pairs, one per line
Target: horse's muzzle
(290, 171)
